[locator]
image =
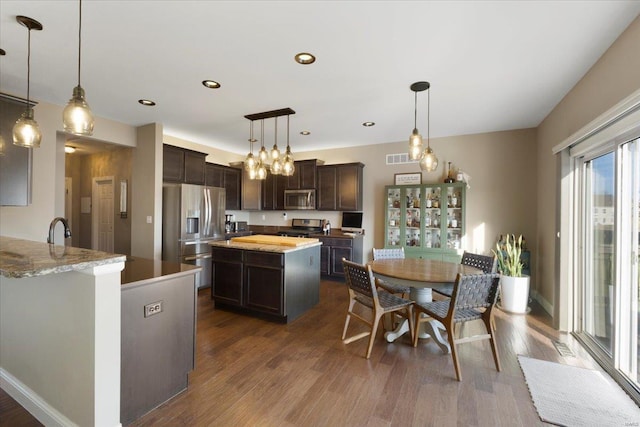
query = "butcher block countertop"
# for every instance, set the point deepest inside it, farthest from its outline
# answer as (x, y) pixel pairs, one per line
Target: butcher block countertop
(265, 243)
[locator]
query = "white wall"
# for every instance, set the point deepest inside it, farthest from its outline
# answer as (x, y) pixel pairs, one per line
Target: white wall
(615, 76)
(32, 222)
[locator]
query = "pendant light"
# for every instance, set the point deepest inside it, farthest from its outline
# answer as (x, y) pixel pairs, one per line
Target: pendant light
(288, 166)
(26, 132)
(415, 140)
(428, 161)
(261, 169)
(77, 117)
(250, 161)
(276, 163)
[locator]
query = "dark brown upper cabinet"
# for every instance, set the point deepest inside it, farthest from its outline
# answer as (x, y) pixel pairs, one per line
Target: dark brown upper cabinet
(182, 165)
(340, 187)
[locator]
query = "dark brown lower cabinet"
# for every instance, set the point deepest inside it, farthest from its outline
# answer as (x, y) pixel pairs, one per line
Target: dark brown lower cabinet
(275, 285)
(333, 249)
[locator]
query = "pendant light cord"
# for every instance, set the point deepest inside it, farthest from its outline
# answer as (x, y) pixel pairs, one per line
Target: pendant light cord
(287, 130)
(79, 38)
(428, 116)
(415, 110)
(28, 65)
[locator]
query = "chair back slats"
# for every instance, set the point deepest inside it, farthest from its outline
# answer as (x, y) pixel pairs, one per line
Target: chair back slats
(486, 263)
(359, 278)
(475, 291)
(391, 253)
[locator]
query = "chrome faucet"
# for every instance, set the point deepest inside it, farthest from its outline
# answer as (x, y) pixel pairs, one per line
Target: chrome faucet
(52, 226)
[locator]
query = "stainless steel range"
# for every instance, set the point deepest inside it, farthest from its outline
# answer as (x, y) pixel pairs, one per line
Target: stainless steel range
(303, 228)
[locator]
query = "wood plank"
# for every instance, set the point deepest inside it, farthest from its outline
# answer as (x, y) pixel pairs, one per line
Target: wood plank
(254, 372)
(275, 240)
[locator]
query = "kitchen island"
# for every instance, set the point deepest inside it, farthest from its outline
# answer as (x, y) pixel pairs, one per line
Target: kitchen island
(273, 277)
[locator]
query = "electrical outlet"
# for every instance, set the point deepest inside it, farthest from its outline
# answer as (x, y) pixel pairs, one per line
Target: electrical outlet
(264, 217)
(153, 308)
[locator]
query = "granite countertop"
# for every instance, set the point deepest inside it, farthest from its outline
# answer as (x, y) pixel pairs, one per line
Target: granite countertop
(25, 258)
(142, 270)
(262, 246)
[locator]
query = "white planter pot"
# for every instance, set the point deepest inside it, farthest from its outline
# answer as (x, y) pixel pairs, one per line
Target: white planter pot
(514, 294)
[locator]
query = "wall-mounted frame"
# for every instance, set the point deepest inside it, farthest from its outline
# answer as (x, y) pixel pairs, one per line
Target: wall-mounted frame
(413, 178)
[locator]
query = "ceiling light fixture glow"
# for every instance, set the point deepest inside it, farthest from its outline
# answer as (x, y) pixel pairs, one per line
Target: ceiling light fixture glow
(305, 58)
(305, 133)
(146, 102)
(368, 124)
(211, 84)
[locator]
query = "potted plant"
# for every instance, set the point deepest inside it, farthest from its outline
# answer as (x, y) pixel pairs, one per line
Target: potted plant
(514, 286)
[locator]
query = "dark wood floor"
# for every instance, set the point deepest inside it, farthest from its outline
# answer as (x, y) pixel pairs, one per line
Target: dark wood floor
(252, 372)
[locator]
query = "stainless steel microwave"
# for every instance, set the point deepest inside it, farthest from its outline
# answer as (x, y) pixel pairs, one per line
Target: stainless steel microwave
(300, 199)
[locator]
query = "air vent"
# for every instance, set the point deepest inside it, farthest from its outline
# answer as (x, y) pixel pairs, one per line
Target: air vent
(399, 159)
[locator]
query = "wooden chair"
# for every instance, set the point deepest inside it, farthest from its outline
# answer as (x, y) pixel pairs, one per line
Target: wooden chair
(392, 253)
(474, 297)
(486, 263)
(363, 290)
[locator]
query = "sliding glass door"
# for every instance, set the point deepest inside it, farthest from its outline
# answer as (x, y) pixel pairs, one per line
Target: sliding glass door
(608, 247)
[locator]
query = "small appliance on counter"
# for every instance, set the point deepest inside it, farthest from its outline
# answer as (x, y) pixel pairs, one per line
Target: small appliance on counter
(303, 228)
(237, 226)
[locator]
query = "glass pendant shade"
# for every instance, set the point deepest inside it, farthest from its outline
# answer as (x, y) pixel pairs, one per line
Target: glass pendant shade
(275, 152)
(77, 116)
(264, 156)
(261, 171)
(253, 173)
(249, 162)
(429, 161)
(276, 167)
(26, 132)
(415, 145)
(288, 165)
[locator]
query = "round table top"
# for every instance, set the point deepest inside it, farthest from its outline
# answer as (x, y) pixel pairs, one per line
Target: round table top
(421, 270)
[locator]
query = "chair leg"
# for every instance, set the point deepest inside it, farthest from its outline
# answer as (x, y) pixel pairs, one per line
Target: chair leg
(454, 351)
(346, 322)
(416, 327)
(494, 348)
(374, 329)
(412, 326)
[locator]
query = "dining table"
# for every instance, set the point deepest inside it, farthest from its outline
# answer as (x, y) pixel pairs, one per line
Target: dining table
(421, 275)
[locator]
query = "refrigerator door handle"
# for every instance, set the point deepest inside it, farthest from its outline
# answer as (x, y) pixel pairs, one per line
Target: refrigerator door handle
(193, 258)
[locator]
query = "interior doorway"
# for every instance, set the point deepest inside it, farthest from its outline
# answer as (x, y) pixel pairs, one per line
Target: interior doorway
(102, 214)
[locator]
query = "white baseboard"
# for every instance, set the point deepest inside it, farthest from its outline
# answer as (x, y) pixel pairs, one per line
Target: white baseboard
(32, 402)
(546, 305)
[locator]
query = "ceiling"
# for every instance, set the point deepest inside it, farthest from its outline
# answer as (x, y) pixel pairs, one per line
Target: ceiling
(493, 65)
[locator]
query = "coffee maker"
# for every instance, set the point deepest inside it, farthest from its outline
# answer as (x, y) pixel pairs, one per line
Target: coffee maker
(227, 223)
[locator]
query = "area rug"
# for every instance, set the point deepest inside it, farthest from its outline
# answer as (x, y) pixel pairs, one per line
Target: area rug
(570, 396)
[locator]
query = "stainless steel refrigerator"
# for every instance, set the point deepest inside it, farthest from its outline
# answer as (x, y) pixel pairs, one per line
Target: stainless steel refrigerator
(192, 216)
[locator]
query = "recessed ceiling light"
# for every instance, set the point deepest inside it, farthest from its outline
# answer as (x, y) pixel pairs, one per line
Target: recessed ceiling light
(2, 52)
(146, 102)
(368, 124)
(211, 84)
(305, 133)
(69, 149)
(305, 58)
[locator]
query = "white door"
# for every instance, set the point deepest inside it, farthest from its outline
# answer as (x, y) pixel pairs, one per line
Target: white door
(102, 216)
